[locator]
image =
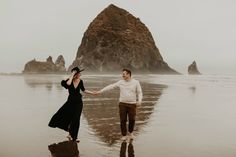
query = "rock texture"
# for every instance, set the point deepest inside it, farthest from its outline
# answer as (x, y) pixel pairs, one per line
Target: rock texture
(115, 40)
(48, 66)
(193, 70)
(60, 63)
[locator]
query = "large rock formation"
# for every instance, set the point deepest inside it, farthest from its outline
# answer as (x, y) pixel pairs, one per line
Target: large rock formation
(48, 66)
(116, 39)
(193, 70)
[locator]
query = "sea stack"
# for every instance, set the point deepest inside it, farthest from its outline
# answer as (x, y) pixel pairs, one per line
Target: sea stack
(192, 69)
(114, 40)
(48, 66)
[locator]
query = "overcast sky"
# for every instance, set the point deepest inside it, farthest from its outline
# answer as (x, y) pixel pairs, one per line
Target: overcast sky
(184, 30)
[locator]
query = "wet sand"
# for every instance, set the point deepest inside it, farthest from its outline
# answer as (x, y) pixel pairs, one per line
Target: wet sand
(180, 116)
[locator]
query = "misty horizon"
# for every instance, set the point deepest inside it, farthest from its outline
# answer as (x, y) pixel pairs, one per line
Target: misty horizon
(183, 32)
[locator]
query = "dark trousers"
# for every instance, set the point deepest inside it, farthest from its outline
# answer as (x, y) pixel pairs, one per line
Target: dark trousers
(75, 123)
(125, 110)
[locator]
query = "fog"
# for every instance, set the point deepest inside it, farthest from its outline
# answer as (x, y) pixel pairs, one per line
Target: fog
(183, 30)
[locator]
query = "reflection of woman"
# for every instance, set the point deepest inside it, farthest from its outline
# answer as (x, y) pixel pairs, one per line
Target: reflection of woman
(64, 149)
(68, 116)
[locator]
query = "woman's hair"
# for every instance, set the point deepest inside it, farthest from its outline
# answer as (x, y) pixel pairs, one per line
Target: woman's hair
(127, 70)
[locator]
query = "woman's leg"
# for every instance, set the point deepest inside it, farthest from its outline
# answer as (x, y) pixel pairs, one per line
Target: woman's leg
(75, 123)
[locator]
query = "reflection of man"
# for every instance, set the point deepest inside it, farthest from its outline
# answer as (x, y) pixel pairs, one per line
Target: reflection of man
(123, 150)
(128, 101)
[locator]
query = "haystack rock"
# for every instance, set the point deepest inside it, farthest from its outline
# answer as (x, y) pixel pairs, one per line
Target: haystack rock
(48, 66)
(114, 40)
(192, 69)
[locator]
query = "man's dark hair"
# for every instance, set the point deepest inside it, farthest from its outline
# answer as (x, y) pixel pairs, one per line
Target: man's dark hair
(128, 71)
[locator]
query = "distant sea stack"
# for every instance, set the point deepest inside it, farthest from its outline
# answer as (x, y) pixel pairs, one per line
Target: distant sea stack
(114, 40)
(48, 66)
(193, 70)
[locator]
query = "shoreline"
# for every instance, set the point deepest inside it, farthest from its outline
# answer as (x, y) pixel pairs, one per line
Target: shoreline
(110, 74)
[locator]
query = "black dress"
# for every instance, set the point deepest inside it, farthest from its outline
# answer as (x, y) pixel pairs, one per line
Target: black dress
(68, 116)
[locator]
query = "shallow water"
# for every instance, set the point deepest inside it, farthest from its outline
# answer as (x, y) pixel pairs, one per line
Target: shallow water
(180, 116)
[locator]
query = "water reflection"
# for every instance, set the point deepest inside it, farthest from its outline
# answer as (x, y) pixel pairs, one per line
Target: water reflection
(64, 149)
(47, 81)
(49, 87)
(102, 111)
(193, 89)
(123, 149)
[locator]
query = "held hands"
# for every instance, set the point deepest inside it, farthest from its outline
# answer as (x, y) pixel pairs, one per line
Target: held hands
(92, 92)
(97, 92)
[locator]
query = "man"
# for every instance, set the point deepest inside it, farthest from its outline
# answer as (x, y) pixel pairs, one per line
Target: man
(128, 101)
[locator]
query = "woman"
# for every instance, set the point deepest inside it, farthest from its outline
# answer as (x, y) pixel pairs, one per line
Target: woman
(68, 116)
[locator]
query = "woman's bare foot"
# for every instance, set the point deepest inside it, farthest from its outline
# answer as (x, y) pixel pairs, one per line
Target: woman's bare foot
(69, 137)
(76, 140)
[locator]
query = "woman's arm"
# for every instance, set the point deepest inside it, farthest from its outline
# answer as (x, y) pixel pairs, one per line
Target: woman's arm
(71, 78)
(85, 90)
(88, 92)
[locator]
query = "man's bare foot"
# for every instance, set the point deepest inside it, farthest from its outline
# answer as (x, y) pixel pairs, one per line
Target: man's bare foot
(123, 138)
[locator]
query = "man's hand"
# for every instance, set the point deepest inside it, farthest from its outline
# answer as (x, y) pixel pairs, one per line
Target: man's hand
(138, 104)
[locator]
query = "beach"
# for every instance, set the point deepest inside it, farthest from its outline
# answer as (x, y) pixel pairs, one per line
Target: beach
(180, 115)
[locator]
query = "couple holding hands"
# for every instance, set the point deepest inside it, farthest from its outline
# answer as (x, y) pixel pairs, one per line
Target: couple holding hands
(68, 116)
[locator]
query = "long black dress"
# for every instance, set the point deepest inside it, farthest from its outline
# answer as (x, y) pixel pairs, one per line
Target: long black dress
(68, 116)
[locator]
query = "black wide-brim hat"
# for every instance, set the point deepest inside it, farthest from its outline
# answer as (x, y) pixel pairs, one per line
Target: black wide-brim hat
(78, 70)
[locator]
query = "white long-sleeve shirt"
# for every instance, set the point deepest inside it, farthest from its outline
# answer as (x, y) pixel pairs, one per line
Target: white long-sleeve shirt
(129, 90)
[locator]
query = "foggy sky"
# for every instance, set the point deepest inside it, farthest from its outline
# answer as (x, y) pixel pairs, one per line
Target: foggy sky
(183, 30)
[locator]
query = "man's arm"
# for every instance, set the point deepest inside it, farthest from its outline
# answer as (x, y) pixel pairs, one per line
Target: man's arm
(109, 87)
(140, 94)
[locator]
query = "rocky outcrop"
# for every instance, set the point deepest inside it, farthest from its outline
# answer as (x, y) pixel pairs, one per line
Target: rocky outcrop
(115, 40)
(48, 66)
(193, 70)
(60, 63)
